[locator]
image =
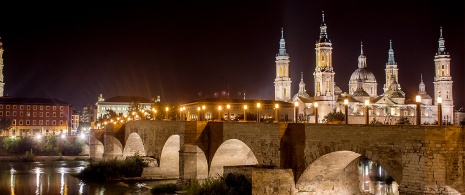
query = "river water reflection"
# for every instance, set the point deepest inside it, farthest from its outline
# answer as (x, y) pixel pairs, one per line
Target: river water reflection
(55, 178)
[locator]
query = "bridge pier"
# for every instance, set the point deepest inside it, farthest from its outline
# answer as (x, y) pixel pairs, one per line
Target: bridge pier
(192, 163)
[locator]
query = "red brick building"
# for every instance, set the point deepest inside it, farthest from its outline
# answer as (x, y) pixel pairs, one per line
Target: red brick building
(30, 116)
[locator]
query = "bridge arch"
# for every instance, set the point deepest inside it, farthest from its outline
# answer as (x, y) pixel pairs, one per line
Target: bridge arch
(169, 158)
(232, 152)
(134, 144)
(112, 147)
(322, 170)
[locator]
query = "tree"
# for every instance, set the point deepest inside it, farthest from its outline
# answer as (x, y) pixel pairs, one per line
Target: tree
(334, 116)
(5, 124)
(403, 120)
(375, 121)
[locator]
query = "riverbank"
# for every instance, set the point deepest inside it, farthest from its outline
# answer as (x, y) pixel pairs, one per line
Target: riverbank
(43, 158)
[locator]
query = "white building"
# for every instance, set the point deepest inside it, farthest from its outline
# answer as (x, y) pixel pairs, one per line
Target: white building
(120, 105)
(387, 108)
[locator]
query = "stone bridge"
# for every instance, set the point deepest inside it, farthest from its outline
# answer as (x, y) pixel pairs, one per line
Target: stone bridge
(294, 158)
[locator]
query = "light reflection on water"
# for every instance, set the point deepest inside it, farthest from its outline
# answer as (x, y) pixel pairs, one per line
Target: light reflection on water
(55, 178)
(375, 180)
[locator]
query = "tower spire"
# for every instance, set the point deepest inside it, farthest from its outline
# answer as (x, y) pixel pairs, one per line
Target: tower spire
(282, 44)
(391, 60)
(302, 84)
(361, 47)
(421, 86)
(362, 60)
(442, 45)
(323, 33)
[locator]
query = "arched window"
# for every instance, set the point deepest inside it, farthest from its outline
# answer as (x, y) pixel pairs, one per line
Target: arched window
(280, 71)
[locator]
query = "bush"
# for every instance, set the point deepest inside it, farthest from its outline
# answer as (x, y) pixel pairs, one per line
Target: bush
(334, 116)
(403, 121)
(375, 121)
(233, 184)
(113, 169)
(28, 157)
(165, 188)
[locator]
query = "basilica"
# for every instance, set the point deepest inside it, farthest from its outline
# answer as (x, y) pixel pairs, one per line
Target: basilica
(388, 107)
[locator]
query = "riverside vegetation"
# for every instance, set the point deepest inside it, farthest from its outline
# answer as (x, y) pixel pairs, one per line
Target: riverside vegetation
(30, 147)
(232, 184)
(101, 171)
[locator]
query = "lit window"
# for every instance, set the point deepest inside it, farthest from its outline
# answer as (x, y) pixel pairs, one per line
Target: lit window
(34, 122)
(54, 108)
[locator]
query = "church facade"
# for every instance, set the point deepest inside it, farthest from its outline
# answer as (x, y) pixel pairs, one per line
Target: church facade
(389, 107)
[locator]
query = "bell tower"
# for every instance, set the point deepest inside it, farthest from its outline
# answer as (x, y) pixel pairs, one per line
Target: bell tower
(324, 73)
(282, 82)
(443, 80)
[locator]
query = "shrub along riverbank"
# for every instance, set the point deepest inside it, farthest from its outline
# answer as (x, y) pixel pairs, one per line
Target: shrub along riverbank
(43, 146)
(232, 184)
(112, 169)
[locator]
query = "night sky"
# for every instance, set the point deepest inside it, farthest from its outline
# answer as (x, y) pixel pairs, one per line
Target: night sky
(188, 50)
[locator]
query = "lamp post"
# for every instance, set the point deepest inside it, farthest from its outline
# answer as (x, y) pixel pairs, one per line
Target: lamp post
(166, 109)
(203, 113)
(258, 112)
(180, 114)
(315, 105)
(367, 117)
(439, 100)
(245, 114)
(418, 101)
(154, 113)
(229, 114)
(346, 110)
(184, 116)
(296, 110)
(276, 106)
(198, 113)
(219, 113)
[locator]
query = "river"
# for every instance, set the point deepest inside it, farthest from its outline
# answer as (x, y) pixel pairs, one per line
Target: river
(54, 177)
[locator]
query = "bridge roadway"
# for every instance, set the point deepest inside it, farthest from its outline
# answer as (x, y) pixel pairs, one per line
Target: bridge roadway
(308, 158)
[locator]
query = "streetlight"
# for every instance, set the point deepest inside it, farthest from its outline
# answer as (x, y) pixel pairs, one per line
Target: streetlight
(418, 100)
(315, 105)
(180, 113)
(198, 113)
(439, 100)
(166, 113)
(245, 114)
(219, 113)
(203, 113)
(276, 106)
(367, 117)
(296, 104)
(346, 110)
(229, 114)
(258, 112)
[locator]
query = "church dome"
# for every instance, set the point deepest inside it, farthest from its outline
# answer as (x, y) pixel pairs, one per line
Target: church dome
(360, 93)
(364, 74)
